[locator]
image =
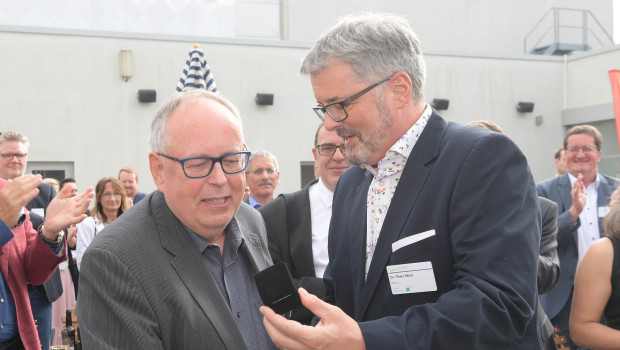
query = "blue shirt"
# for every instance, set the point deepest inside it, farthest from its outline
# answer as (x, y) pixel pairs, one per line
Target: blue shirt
(253, 203)
(233, 274)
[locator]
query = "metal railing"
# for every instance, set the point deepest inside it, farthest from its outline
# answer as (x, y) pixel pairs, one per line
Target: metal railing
(563, 30)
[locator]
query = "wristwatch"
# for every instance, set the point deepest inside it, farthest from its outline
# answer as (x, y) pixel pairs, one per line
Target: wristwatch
(53, 243)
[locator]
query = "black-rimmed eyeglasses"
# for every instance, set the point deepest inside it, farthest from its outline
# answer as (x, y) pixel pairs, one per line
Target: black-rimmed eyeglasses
(197, 167)
(337, 110)
(18, 156)
(329, 149)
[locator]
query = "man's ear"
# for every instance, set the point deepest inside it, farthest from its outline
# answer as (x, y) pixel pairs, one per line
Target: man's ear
(157, 169)
(400, 89)
(315, 153)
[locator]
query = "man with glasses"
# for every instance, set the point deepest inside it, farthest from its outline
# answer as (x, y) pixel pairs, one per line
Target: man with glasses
(433, 240)
(14, 158)
(582, 195)
(298, 223)
(176, 272)
(262, 176)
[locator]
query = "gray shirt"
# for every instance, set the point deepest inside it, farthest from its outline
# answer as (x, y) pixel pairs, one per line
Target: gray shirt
(233, 274)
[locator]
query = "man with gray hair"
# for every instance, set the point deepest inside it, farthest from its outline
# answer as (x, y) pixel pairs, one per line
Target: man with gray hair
(433, 240)
(262, 176)
(177, 271)
(13, 161)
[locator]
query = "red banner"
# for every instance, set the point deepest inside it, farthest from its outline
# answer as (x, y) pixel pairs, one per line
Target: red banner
(614, 76)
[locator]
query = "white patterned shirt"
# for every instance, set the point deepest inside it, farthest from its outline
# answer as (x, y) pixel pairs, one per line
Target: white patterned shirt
(385, 179)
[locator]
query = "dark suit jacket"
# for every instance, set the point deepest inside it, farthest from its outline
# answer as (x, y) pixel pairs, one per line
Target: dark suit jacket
(53, 286)
(548, 262)
(138, 197)
(145, 285)
(558, 190)
(474, 189)
(294, 248)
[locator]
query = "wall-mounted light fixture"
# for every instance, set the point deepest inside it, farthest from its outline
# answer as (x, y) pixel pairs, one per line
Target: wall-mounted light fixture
(440, 104)
(264, 99)
(525, 107)
(125, 64)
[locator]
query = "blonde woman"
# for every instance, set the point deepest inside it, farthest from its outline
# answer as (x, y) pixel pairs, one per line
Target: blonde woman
(597, 289)
(110, 202)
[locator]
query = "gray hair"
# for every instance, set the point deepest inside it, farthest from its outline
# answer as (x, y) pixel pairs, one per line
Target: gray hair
(14, 136)
(159, 138)
(375, 45)
(262, 153)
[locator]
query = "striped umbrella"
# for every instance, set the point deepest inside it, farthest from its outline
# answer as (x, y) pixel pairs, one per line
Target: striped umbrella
(196, 74)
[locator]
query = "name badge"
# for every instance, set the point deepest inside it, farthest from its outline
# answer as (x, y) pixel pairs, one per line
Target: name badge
(412, 278)
(603, 211)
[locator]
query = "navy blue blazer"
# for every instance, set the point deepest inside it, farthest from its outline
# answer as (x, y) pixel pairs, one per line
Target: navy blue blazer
(558, 190)
(474, 188)
(138, 197)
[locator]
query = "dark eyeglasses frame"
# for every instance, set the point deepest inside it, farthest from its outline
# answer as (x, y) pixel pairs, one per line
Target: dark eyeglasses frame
(320, 111)
(319, 147)
(214, 160)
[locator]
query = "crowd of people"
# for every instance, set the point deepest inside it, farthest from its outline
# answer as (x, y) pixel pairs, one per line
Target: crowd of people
(417, 233)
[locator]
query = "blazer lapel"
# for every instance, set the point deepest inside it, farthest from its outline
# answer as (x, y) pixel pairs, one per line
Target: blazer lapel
(252, 245)
(192, 270)
(357, 242)
(409, 186)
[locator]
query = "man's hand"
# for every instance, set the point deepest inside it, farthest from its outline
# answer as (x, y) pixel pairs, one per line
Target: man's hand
(578, 196)
(336, 330)
(15, 195)
(64, 211)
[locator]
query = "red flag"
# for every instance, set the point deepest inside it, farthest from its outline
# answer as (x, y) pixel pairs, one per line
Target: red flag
(614, 76)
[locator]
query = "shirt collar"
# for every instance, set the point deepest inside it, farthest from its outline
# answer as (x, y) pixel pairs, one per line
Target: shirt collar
(233, 237)
(324, 193)
(403, 147)
(596, 182)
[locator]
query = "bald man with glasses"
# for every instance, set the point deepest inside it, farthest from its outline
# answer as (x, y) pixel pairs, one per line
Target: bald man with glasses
(176, 271)
(298, 223)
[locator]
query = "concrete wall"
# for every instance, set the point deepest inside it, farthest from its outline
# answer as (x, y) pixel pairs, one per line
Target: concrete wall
(465, 25)
(65, 92)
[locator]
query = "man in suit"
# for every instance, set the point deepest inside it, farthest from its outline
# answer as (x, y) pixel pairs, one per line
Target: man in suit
(582, 195)
(177, 271)
(433, 243)
(548, 262)
(41, 296)
(28, 255)
(262, 176)
(560, 161)
(298, 223)
(128, 176)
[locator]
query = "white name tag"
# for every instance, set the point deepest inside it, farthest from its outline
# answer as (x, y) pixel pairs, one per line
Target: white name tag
(412, 278)
(603, 211)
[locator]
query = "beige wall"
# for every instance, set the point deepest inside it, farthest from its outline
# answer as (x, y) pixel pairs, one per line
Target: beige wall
(65, 92)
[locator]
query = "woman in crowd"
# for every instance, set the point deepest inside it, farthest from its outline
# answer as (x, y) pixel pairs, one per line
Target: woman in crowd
(110, 202)
(597, 289)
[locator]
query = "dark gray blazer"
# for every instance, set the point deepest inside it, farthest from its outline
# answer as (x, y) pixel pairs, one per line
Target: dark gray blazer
(295, 247)
(145, 285)
(548, 263)
(558, 190)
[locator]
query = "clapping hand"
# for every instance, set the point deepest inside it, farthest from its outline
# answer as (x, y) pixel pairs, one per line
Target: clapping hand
(65, 210)
(15, 195)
